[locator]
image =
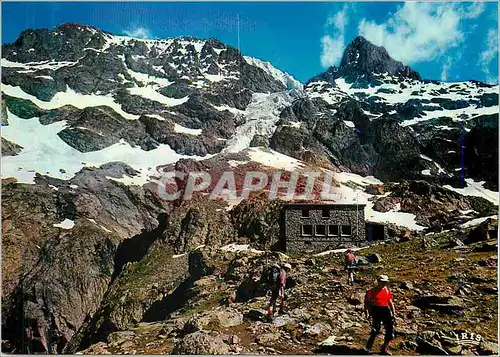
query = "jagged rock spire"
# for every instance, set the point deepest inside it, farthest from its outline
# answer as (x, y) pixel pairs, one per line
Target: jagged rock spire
(363, 57)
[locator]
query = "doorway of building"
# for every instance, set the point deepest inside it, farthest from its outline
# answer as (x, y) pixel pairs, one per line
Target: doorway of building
(374, 232)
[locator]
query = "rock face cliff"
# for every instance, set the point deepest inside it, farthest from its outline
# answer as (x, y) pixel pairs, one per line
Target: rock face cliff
(362, 59)
(91, 121)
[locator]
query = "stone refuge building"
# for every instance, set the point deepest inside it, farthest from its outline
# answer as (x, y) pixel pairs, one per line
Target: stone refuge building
(322, 226)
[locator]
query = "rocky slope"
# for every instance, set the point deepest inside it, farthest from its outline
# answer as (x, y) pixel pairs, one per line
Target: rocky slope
(95, 260)
(223, 310)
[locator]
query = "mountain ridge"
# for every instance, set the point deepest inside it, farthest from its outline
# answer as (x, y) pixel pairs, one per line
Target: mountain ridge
(210, 90)
(343, 70)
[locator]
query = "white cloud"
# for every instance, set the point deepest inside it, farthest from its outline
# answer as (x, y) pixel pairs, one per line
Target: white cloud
(332, 43)
(489, 54)
(138, 32)
(420, 31)
(332, 49)
(491, 50)
(446, 69)
(474, 10)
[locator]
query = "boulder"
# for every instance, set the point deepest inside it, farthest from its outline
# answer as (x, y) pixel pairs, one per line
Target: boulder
(10, 148)
(257, 315)
(310, 262)
(234, 340)
(283, 320)
(362, 261)
(373, 189)
(201, 343)
(429, 343)
(259, 140)
(490, 246)
(452, 342)
(100, 348)
(481, 232)
(193, 324)
(330, 346)
(374, 258)
(120, 336)
(489, 262)
(250, 287)
(487, 348)
(229, 318)
(490, 290)
(404, 330)
(318, 330)
(446, 304)
(406, 285)
(356, 299)
(300, 314)
(385, 204)
(267, 339)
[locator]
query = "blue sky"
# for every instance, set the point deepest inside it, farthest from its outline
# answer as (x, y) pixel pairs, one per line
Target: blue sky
(440, 40)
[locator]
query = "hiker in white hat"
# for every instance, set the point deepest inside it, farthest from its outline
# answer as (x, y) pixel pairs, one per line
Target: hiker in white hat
(379, 306)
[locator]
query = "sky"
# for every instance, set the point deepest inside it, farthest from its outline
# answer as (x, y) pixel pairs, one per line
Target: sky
(444, 41)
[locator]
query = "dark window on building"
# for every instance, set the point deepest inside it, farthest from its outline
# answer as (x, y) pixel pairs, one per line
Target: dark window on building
(346, 230)
(307, 230)
(320, 230)
(333, 230)
(305, 213)
(325, 213)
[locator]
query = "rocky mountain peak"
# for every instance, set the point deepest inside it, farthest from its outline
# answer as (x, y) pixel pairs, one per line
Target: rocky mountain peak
(75, 26)
(361, 57)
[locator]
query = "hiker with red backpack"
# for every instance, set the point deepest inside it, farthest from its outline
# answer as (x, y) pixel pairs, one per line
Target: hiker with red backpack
(379, 306)
(350, 266)
(277, 283)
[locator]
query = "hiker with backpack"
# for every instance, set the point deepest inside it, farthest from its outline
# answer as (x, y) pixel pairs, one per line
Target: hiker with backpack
(350, 266)
(379, 306)
(277, 283)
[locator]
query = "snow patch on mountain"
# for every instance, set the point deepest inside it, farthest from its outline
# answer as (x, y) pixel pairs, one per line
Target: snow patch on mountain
(261, 116)
(182, 129)
(283, 77)
(45, 152)
(66, 224)
(349, 195)
(35, 66)
(477, 221)
(394, 90)
(474, 188)
(360, 180)
(393, 216)
(230, 109)
(150, 92)
(69, 97)
(146, 78)
(472, 112)
(116, 40)
(271, 158)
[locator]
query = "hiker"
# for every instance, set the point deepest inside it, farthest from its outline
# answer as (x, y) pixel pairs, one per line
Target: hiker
(350, 266)
(379, 306)
(277, 287)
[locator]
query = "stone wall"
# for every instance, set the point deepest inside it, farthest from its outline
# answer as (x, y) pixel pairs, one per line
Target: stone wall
(341, 215)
